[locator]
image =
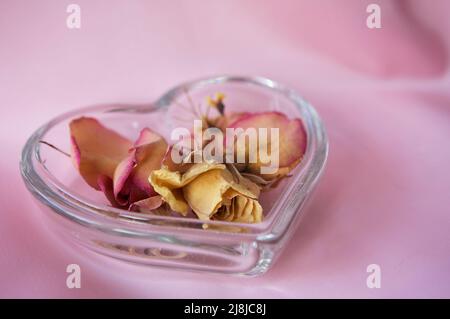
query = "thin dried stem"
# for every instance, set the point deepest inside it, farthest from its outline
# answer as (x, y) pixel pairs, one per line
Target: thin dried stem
(186, 108)
(207, 111)
(55, 148)
(191, 102)
(257, 179)
(178, 118)
(236, 175)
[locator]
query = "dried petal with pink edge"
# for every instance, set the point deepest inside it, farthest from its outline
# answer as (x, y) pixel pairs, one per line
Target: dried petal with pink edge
(147, 204)
(292, 139)
(131, 175)
(96, 150)
(149, 152)
(105, 184)
(125, 167)
(173, 166)
(121, 174)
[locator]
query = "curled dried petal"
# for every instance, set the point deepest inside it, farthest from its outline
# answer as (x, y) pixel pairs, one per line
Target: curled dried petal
(290, 147)
(147, 205)
(169, 184)
(113, 164)
(96, 150)
(207, 193)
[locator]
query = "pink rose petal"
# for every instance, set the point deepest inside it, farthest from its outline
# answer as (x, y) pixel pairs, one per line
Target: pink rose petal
(96, 150)
(147, 204)
(292, 135)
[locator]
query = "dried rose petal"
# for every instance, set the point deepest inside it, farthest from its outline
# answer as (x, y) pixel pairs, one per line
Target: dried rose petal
(112, 164)
(147, 204)
(206, 188)
(170, 184)
(96, 150)
(292, 139)
(120, 179)
(150, 149)
(131, 175)
(240, 209)
(105, 184)
(216, 189)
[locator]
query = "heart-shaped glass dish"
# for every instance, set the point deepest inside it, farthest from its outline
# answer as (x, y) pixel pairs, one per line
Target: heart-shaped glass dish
(80, 214)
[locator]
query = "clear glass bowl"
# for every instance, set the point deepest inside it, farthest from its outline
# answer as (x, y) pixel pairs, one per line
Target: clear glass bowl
(81, 214)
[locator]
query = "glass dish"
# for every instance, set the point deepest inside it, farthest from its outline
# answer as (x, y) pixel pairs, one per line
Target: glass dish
(81, 214)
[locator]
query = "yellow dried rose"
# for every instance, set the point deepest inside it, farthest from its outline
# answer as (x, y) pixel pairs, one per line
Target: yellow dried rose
(240, 209)
(212, 192)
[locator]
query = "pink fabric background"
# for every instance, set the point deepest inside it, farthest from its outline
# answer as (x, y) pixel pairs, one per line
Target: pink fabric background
(383, 95)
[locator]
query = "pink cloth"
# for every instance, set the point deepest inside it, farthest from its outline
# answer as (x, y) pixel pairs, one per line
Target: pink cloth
(383, 94)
